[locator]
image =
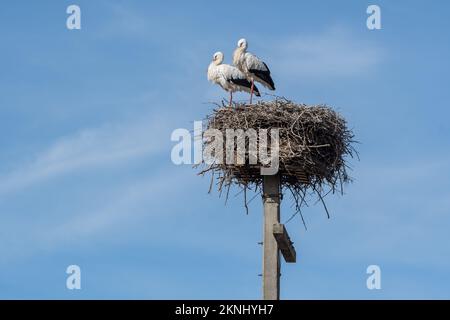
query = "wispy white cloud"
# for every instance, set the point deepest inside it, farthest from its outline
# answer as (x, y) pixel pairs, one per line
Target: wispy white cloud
(88, 148)
(336, 52)
(126, 204)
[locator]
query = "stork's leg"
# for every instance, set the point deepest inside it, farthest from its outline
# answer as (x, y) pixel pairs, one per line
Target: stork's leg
(251, 92)
(231, 98)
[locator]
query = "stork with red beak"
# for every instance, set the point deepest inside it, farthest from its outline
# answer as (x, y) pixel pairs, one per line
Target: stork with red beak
(229, 77)
(253, 67)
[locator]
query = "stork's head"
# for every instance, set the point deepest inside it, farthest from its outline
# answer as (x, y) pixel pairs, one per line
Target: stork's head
(217, 58)
(242, 43)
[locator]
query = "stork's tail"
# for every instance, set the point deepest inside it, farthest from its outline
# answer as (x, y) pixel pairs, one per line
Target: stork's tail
(256, 91)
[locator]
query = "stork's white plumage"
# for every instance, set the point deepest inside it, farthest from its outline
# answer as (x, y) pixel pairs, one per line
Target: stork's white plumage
(254, 68)
(229, 77)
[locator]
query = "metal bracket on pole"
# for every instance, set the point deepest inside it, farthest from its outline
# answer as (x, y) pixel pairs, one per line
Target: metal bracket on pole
(284, 243)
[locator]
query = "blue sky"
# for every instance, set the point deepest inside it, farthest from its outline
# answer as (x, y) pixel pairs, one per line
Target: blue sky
(85, 170)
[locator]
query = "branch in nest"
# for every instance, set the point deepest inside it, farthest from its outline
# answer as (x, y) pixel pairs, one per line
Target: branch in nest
(314, 144)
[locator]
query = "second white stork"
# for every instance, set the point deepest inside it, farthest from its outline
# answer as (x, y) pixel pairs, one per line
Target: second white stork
(229, 77)
(253, 67)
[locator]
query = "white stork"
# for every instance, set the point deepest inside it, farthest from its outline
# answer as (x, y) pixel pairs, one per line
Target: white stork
(254, 68)
(229, 77)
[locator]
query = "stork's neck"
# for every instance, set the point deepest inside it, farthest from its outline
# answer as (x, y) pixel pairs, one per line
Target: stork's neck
(212, 71)
(241, 49)
(237, 55)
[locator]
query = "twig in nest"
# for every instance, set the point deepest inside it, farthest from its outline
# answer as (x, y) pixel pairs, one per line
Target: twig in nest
(314, 144)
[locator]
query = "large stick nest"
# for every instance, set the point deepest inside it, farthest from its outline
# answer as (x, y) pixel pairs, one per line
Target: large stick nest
(314, 142)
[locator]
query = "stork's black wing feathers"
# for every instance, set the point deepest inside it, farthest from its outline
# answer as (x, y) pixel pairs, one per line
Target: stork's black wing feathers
(264, 75)
(245, 83)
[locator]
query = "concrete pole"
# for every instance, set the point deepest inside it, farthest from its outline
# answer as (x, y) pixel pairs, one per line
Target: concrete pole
(271, 252)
